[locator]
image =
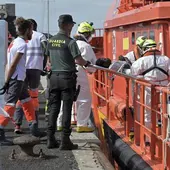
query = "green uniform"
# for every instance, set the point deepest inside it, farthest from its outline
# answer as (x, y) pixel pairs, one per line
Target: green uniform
(62, 51)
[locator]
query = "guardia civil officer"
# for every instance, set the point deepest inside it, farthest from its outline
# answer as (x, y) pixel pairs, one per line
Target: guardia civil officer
(63, 54)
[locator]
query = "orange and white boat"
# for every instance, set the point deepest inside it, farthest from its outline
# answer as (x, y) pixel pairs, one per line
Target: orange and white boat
(114, 107)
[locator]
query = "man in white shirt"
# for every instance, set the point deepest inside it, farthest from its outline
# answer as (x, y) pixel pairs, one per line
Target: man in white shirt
(14, 87)
(35, 63)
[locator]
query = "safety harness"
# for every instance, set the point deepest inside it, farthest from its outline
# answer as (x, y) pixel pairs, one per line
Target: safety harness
(154, 52)
(134, 55)
(128, 61)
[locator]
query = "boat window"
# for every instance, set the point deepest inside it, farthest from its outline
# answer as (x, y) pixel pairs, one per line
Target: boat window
(138, 34)
(145, 34)
(133, 37)
(152, 35)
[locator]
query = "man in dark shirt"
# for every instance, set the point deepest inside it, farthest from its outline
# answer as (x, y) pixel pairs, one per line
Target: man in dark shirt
(63, 55)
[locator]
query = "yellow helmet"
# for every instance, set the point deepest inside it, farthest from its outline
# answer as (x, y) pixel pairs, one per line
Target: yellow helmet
(149, 43)
(85, 27)
(140, 40)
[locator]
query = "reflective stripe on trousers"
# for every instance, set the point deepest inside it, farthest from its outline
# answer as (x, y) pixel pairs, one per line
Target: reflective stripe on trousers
(27, 108)
(4, 120)
(34, 95)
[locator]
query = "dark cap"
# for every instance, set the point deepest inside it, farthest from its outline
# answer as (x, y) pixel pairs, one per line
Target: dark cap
(33, 21)
(66, 19)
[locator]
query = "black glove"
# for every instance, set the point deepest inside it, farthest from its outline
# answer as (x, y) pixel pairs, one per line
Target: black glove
(126, 66)
(4, 88)
(46, 73)
(103, 62)
(49, 74)
(121, 58)
(43, 73)
(87, 64)
(128, 61)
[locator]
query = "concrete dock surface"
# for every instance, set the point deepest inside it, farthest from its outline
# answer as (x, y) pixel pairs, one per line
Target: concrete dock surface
(87, 157)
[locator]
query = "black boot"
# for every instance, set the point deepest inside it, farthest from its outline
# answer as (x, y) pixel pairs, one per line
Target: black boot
(35, 130)
(52, 142)
(66, 143)
(3, 140)
(2, 135)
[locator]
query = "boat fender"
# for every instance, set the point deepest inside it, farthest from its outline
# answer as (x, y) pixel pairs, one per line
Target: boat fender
(122, 153)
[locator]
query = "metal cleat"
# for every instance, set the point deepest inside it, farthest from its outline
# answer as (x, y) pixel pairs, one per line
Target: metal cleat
(13, 154)
(41, 154)
(26, 143)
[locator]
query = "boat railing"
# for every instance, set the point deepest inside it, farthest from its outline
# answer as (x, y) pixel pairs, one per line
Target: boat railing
(149, 120)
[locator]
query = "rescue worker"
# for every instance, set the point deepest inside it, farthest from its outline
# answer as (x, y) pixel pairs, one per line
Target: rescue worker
(36, 48)
(83, 103)
(153, 67)
(63, 53)
(14, 87)
(132, 56)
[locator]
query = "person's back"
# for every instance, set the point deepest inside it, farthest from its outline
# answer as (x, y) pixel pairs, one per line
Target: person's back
(83, 103)
(155, 75)
(35, 54)
(86, 51)
(131, 57)
(153, 67)
(88, 54)
(17, 45)
(59, 46)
